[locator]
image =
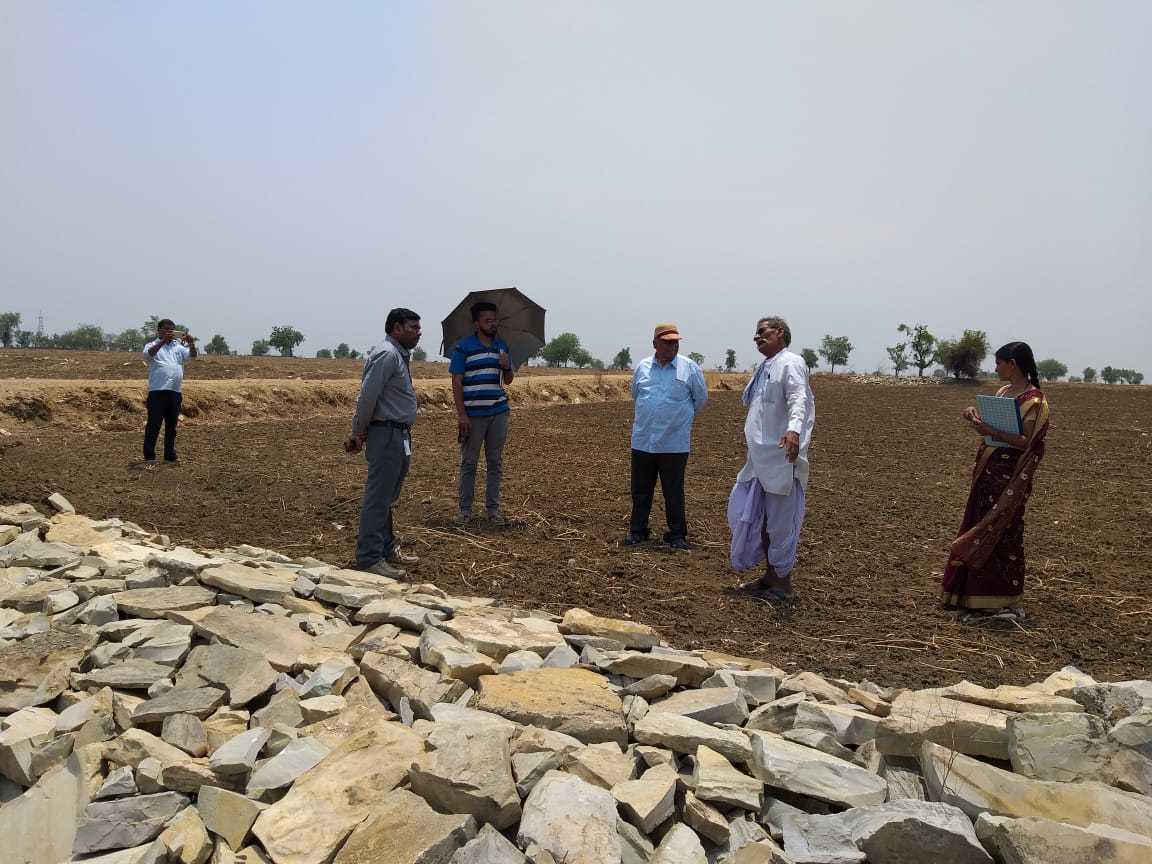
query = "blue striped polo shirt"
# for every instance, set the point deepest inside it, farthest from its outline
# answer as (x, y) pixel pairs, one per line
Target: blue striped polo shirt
(484, 394)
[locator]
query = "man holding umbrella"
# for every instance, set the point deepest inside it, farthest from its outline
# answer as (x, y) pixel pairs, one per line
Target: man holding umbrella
(481, 368)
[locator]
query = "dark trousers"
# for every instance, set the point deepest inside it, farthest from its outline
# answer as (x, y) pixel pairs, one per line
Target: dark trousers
(387, 467)
(669, 468)
(163, 408)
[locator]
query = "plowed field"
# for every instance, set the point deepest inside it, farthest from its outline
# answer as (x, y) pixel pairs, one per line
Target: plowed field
(890, 474)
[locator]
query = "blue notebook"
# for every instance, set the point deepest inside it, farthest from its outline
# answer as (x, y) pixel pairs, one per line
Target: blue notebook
(999, 412)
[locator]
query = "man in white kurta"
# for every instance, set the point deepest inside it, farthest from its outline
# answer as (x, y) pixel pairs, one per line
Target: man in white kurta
(774, 479)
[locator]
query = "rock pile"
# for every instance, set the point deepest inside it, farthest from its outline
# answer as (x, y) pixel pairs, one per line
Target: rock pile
(160, 704)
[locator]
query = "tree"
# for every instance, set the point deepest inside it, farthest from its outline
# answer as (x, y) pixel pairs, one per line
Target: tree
(9, 324)
(1051, 369)
(129, 340)
(1109, 376)
(835, 351)
(811, 360)
(963, 356)
(730, 359)
(217, 345)
(342, 351)
(284, 338)
(260, 347)
(696, 357)
(419, 355)
(1137, 377)
(1089, 375)
(324, 354)
(923, 346)
(623, 359)
(581, 358)
(597, 363)
(560, 350)
(898, 355)
(86, 337)
(24, 338)
(353, 355)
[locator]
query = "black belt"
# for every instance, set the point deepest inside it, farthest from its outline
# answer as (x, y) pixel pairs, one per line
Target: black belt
(392, 424)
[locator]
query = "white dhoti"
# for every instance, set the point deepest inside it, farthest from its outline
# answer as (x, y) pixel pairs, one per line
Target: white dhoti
(783, 516)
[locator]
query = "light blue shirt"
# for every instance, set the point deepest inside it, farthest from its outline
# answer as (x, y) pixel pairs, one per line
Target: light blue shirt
(166, 369)
(667, 399)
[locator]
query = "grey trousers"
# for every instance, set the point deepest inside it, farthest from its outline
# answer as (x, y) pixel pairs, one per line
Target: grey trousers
(491, 433)
(387, 467)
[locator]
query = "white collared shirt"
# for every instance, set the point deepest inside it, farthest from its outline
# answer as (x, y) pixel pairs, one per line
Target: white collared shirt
(779, 399)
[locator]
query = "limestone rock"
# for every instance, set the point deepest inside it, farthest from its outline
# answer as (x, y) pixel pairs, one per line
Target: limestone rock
(186, 839)
(851, 728)
(349, 596)
(815, 686)
(468, 771)
(21, 734)
(294, 759)
(395, 679)
(708, 705)
(715, 779)
(180, 561)
(39, 827)
(777, 716)
(897, 831)
(573, 701)
(158, 602)
(1009, 698)
(520, 661)
(227, 815)
(1044, 841)
(192, 776)
(35, 670)
(238, 755)
(488, 847)
(167, 644)
(226, 723)
(928, 716)
(572, 820)
(244, 674)
(651, 687)
(629, 633)
(803, 771)
(197, 701)
(1072, 747)
(976, 788)
(684, 735)
(497, 639)
(330, 678)
(280, 641)
(687, 669)
(649, 801)
(321, 708)
(602, 765)
(404, 830)
(120, 782)
(1062, 683)
(136, 745)
(125, 822)
(186, 731)
(258, 584)
(129, 675)
(1135, 732)
(679, 846)
(402, 613)
(323, 807)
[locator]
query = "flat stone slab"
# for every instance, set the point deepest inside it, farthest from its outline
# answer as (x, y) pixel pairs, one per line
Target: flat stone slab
(781, 764)
(280, 641)
(403, 829)
(258, 584)
(718, 781)
(36, 669)
(497, 639)
(244, 674)
(570, 819)
(129, 675)
(684, 735)
(158, 602)
(1009, 698)
(125, 822)
(576, 702)
(198, 701)
(925, 715)
(469, 770)
(630, 634)
(708, 705)
(1044, 841)
(326, 804)
(976, 787)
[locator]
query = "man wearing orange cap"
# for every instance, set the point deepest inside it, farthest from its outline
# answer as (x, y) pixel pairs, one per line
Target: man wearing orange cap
(667, 390)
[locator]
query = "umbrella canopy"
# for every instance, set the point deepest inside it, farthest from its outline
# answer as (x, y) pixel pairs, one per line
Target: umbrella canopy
(520, 321)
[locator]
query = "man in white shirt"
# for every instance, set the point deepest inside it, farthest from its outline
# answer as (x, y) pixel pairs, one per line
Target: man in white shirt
(166, 356)
(769, 495)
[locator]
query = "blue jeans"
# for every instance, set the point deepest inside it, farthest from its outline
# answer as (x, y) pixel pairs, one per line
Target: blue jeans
(387, 468)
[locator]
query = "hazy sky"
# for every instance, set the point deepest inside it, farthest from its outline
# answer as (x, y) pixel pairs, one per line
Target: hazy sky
(849, 165)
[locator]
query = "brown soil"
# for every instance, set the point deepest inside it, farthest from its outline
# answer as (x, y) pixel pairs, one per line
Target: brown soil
(890, 473)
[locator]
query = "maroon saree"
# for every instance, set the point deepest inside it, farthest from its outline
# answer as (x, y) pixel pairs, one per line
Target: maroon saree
(986, 561)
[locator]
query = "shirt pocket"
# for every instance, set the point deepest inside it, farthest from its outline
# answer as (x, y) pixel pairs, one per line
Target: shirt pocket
(773, 391)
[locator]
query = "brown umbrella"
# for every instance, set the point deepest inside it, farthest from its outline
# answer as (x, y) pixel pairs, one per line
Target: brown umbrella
(520, 322)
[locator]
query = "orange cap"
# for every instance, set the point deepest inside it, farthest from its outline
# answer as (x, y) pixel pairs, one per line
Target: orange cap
(669, 332)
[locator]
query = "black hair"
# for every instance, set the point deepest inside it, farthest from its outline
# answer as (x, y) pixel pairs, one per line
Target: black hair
(1021, 354)
(164, 322)
(399, 315)
(482, 306)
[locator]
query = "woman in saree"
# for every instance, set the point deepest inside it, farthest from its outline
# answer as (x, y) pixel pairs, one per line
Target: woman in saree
(985, 572)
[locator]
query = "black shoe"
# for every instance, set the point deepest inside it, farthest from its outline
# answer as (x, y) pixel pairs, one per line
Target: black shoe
(635, 539)
(679, 543)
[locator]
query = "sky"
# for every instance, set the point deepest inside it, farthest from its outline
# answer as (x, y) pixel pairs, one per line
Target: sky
(847, 165)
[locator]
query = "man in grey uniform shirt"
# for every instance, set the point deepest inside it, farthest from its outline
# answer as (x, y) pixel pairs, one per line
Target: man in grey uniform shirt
(382, 428)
